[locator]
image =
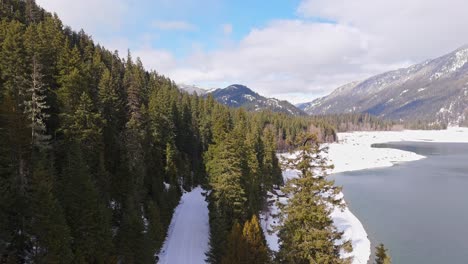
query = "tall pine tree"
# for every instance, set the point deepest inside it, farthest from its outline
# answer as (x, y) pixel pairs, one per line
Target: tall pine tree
(306, 231)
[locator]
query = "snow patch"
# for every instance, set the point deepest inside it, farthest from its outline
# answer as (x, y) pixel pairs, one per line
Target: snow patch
(249, 97)
(456, 62)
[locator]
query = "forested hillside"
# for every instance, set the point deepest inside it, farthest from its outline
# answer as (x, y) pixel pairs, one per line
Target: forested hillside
(95, 150)
(368, 122)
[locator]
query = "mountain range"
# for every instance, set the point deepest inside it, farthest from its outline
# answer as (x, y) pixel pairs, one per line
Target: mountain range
(435, 90)
(238, 95)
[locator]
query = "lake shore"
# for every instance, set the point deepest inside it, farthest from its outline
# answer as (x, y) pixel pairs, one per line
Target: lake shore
(354, 152)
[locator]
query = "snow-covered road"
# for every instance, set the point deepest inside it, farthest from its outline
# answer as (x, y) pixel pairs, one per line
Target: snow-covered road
(188, 236)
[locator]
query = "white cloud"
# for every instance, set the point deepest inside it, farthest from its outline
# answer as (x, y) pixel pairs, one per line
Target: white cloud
(399, 29)
(155, 59)
(174, 25)
(91, 15)
(283, 59)
(297, 59)
(290, 58)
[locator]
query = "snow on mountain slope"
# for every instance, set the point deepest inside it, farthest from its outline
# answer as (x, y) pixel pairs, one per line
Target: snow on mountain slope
(238, 95)
(435, 90)
(188, 236)
(192, 89)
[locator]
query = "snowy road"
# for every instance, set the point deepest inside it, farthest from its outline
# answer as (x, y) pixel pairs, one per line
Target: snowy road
(187, 239)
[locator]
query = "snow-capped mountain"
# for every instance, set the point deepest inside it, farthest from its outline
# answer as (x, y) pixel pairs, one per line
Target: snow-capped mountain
(237, 95)
(192, 89)
(435, 90)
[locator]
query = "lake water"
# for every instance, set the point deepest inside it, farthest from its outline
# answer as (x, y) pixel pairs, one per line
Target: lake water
(418, 209)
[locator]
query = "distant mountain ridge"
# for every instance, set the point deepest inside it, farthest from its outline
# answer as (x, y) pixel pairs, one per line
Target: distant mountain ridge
(192, 89)
(238, 95)
(435, 90)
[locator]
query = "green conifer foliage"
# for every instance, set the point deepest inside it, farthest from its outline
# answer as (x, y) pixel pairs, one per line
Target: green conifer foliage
(236, 251)
(256, 249)
(307, 234)
(48, 227)
(90, 142)
(86, 215)
(381, 255)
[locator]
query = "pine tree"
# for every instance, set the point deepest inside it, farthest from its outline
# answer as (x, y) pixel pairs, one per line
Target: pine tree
(254, 178)
(306, 232)
(381, 255)
(257, 251)
(16, 140)
(51, 238)
(71, 79)
(86, 214)
(271, 167)
(84, 125)
(246, 245)
(155, 228)
(13, 57)
(36, 106)
(227, 199)
(132, 243)
(236, 251)
(224, 169)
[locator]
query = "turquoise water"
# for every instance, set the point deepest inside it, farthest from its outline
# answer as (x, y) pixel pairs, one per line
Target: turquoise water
(418, 209)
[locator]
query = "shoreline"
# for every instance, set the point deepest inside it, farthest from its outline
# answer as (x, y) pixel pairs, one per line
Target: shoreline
(354, 152)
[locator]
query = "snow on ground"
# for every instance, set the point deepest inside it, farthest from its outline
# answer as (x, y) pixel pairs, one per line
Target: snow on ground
(188, 235)
(344, 220)
(354, 152)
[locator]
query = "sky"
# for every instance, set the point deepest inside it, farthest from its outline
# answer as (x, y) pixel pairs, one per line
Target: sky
(295, 50)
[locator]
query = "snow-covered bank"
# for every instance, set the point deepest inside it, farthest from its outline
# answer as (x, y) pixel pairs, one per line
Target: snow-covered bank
(354, 152)
(188, 236)
(344, 220)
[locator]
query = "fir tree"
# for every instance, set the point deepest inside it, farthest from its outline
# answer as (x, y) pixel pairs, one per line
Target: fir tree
(254, 182)
(381, 255)
(236, 251)
(306, 232)
(36, 106)
(84, 125)
(224, 169)
(155, 228)
(271, 168)
(71, 79)
(256, 250)
(51, 238)
(86, 215)
(132, 243)
(227, 200)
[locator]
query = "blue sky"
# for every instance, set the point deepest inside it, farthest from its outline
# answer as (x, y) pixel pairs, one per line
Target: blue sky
(290, 49)
(205, 22)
